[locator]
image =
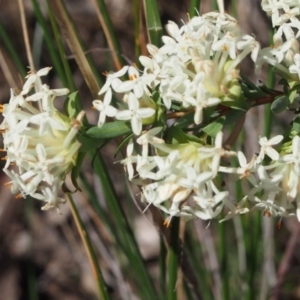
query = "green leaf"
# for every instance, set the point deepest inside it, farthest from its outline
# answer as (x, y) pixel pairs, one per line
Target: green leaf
(213, 128)
(293, 92)
(265, 89)
(296, 124)
(186, 120)
(70, 105)
(109, 130)
(125, 141)
(233, 115)
(235, 99)
(176, 135)
(282, 81)
(88, 143)
(250, 90)
(76, 170)
(280, 104)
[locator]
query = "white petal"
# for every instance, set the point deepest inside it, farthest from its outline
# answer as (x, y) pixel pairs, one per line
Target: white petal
(145, 112)
(136, 125)
(107, 97)
(124, 115)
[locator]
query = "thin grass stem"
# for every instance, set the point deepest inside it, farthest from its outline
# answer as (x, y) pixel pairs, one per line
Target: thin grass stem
(25, 35)
(89, 250)
(173, 259)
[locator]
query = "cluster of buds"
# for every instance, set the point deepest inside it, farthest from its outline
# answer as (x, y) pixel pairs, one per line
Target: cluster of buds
(40, 142)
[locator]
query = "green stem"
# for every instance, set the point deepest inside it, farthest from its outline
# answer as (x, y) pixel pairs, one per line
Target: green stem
(194, 8)
(223, 261)
(173, 258)
(162, 267)
(30, 268)
(253, 248)
(12, 51)
(268, 114)
(129, 241)
(137, 24)
(89, 249)
(67, 73)
(153, 22)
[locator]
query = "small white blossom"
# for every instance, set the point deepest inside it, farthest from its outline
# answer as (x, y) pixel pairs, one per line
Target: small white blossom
(113, 80)
(267, 147)
(105, 108)
(295, 69)
(135, 114)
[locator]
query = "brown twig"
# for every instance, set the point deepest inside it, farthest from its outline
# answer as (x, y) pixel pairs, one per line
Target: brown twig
(285, 262)
(234, 133)
(69, 33)
(25, 35)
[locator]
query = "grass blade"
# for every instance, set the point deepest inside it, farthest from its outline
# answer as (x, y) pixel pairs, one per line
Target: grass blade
(70, 35)
(194, 8)
(129, 241)
(153, 22)
(109, 32)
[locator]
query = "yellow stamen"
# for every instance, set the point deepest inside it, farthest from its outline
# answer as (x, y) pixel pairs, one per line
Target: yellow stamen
(267, 213)
(278, 224)
(167, 222)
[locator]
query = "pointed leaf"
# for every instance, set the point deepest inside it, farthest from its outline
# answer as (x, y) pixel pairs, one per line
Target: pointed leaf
(109, 130)
(280, 104)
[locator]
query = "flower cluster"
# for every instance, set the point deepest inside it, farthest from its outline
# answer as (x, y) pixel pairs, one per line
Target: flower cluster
(182, 180)
(181, 166)
(196, 68)
(40, 142)
(284, 54)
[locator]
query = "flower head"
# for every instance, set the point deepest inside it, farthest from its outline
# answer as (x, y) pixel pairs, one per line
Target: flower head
(40, 142)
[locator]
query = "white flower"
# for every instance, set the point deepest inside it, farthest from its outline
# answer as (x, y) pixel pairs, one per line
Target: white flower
(135, 114)
(113, 80)
(271, 7)
(289, 167)
(149, 137)
(195, 180)
(105, 108)
(34, 80)
(266, 183)
(249, 44)
(201, 101)
(129, 160)
(136, 83)
(40, 142)
(235, 209)
(228, 43)
(267, 148)
(215, 152)
(47, 96)
(268, 205)
(210, 205)
(245, 170)
(295, 69)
